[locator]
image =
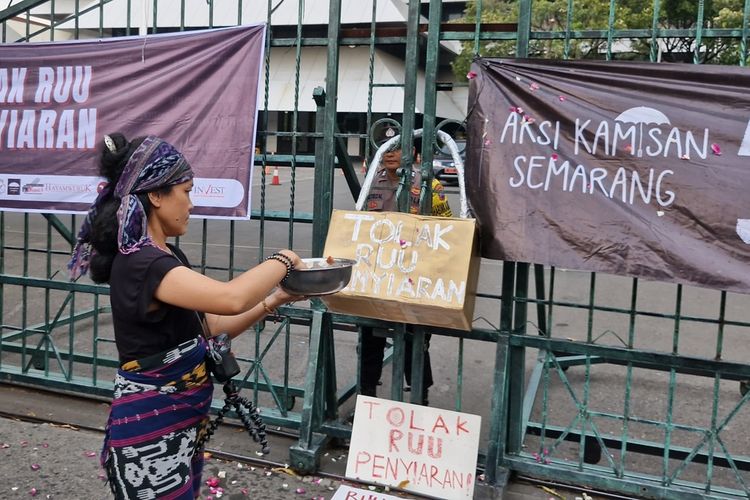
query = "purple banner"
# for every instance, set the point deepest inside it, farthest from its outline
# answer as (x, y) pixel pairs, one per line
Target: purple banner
(635, 169)
(197, 90)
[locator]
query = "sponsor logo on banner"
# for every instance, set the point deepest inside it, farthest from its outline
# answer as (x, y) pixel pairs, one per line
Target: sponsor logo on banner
(33, 187)
(14, 187)
(220, 193)
(53, 188)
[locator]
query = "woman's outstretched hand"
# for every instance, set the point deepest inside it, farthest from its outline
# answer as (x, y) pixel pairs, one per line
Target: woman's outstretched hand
(280, 297)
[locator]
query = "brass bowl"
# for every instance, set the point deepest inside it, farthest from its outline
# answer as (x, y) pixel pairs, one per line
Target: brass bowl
(317, 277)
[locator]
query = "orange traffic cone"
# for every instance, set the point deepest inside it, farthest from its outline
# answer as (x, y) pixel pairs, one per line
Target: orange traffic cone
(275, 181)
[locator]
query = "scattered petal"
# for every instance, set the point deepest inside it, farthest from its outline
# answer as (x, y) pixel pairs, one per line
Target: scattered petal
(300, 491)
(4, 445)
(239, 465)
(26, 443)
(555, 156)
(90, 454)
(519, 109)
(562, 98)
(244, 491)
(487, 142)
(528, 119)
(629, 148)
(545, 451)
(285, 485)
(716, 149)
(45, 445)
(660, 213)
(534, 86)
(685, 157)
(35, 466)
(471, 75)
(481, 477)
(518, 78)
(212, 482)
(222, 474)
(33, 492)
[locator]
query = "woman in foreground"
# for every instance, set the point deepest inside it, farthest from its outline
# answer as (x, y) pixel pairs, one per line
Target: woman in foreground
(160, 311)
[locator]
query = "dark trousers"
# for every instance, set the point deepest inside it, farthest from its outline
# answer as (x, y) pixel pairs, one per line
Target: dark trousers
(371, 365)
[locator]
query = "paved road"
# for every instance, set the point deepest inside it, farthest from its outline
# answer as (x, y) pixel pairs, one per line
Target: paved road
(52, 450)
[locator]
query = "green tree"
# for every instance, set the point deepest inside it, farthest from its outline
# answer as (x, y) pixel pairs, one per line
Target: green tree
(552, 15)
(549, 15)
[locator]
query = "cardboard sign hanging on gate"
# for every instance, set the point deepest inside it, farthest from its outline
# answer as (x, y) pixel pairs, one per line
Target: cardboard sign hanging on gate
(410, 268)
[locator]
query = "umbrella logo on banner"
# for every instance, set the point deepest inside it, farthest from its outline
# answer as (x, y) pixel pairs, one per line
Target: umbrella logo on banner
(640, 115)
(745, 146)
(743, 230)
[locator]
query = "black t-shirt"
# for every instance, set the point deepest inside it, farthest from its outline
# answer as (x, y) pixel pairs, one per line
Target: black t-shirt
(133, 281)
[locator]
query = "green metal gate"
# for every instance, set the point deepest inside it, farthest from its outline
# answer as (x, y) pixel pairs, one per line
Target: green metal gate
(595, 380)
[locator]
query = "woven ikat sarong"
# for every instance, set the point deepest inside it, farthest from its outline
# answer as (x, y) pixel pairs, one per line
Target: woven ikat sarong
(160, 406)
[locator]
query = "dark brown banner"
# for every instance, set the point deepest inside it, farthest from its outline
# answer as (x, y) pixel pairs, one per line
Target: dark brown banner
(634, 169)
(197, 90)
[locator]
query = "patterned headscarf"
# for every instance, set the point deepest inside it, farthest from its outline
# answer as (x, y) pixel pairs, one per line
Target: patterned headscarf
(153, 165)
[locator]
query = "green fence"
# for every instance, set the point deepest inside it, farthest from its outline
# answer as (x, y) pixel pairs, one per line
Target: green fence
(595, 380)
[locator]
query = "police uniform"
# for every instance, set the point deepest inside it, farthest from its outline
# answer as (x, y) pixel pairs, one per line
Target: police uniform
(382, 197)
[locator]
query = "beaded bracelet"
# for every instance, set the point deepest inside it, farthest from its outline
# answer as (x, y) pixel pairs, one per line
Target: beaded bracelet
(280, 257)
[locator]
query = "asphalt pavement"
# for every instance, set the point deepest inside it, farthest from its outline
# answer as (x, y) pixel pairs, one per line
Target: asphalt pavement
(50, 443)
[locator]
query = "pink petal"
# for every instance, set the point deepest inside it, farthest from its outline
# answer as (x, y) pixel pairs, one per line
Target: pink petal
(519, 110)
(90, 454)
(4, 445)
(33, 492)
(24, 443)
(487, 142)
(534, 86)
(716, 149)
(528, 119)
(513, 109)
(685, 157)
(244, 491)
(300, 491)
(45, 445)
(212, 482)
(471, 75)
(555, 156)
(629, 148)
(35, 466)
(562, 98)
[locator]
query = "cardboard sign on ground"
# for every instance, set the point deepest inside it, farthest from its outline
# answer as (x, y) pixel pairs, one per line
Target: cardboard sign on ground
(348, 493)
(426, 450)
(410, 268)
